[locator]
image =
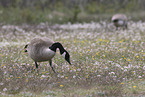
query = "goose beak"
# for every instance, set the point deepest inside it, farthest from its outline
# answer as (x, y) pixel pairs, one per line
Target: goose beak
(69, 62)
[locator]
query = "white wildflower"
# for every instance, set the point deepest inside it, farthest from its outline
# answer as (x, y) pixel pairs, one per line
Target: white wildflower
(139, 77)
(143, 67)
(5, 89)
(117, 65)
(4, 67)
(106, 67)
(79, 69)
(62, 76)
(11, 75)
(98, 75)
(74, 70)
(43, 76)
(112, 73)
(74, 76)
(125, 67)
(58, 75)
(125, 70)
(1, 83)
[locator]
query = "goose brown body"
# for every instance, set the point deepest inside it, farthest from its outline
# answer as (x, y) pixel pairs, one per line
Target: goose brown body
(37, 49)
(120, 20)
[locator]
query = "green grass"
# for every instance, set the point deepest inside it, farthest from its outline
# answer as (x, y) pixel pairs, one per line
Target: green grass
(61, 16)
(105, 62)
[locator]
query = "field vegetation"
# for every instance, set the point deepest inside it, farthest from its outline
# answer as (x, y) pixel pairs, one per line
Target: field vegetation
(105, 62)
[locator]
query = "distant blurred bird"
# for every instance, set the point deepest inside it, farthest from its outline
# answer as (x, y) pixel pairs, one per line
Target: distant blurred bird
(120, 20)
(43, 49)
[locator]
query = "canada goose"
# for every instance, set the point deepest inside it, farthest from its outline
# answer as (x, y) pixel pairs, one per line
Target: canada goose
(120, 20)
(41, 50)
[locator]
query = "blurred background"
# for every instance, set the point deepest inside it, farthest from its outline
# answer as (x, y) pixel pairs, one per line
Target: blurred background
(64, 11)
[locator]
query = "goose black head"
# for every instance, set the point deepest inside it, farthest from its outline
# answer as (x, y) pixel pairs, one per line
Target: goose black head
(63, 52)
(66, 56)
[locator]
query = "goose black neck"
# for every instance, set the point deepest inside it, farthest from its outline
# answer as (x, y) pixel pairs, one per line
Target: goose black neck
(57, 45)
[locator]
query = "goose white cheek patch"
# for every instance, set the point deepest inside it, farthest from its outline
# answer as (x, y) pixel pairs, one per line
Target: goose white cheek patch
(64, 54)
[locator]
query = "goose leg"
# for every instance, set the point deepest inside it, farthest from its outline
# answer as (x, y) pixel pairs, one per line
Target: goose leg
(50, 62)
(126, 26)
(26, 46)
(37, 67)
(116, 28)
(25, 50)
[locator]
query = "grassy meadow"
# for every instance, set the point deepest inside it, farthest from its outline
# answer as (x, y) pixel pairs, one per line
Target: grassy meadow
(105, 62)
